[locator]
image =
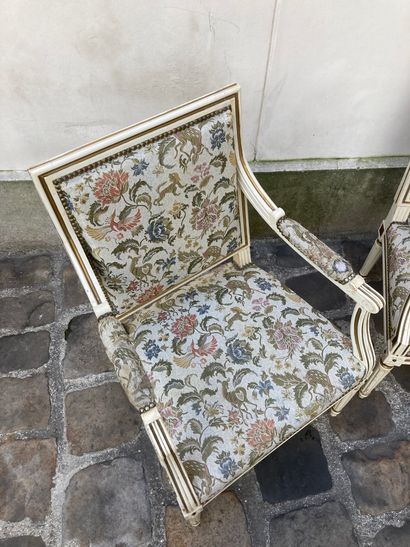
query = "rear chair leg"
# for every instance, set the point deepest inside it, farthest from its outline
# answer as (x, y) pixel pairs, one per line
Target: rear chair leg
(379, 373)
(372, 258)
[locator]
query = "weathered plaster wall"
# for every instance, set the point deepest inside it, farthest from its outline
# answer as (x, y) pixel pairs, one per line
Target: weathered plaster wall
(320, 79)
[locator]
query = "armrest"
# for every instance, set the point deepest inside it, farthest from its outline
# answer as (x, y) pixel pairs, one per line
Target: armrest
(127, 364)
(332, 266)
(329, 263)
(317, 252)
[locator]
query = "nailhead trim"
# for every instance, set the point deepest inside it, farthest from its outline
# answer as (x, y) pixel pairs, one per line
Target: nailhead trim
(139, 145)
(147, 407)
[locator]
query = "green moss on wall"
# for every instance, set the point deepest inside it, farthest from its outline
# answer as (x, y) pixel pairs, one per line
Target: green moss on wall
(329, 202)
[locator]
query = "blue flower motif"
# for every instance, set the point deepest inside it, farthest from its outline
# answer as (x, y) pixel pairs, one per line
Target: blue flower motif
(196, 407)
(203, 309)
(157, 230)
(172, 279)
(217, 138)
(314, 329)
(232, 245)
(139, 167)
(227, 465)
(263, 387)
(263, 284)
(239, 351)
(168, 263)
(191, 294)
(151, 349)
(347, 379)
(282, 413)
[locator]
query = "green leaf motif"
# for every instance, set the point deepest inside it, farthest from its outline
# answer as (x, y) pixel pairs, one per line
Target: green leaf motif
(209, 444)
(125, 246)
(310, 358)
(299, 391)
(163, 366)
(173, 384)
(194, 263)
(187, 397)
(316, 344)
(188, 446)
(195, 426)
(151, 253)
(212, 370)
(136, 187)
(286, 380)
(331, 360)
(219, 161)
(95, 212)
(239, 376)
(166, 146)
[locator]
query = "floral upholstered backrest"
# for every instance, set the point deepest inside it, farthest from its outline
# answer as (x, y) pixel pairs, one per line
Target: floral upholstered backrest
(157, 212)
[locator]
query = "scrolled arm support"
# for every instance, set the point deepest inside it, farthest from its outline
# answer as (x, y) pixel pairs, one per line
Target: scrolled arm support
(127, 365)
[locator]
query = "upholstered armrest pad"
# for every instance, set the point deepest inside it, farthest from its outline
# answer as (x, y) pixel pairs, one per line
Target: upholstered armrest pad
(121, 352)
(322, 256)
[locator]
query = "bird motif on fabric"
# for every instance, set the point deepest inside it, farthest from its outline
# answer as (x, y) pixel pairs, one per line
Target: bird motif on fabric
(125, 222)
(201, 350)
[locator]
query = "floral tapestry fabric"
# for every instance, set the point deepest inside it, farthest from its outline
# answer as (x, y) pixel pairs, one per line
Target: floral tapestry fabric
(398, 265)
(153, 215)
(237, 363)
(332, 264)
(121, 352)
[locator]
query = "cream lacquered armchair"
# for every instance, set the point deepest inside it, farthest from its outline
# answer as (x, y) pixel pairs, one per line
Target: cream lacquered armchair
(223, 362)
(393, 243)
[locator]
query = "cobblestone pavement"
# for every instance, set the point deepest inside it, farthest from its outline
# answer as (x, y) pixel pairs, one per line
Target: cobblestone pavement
(76, 467)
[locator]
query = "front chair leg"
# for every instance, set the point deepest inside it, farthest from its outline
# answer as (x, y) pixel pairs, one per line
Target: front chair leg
(195, 518)
(341, 403)
(372, 258)
(379, 373)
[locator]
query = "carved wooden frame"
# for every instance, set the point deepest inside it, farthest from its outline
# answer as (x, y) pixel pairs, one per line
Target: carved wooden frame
(44, 176)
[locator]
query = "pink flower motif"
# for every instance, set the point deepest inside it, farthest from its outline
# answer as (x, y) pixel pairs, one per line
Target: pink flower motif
(203, 171)
(285, 337)
(172, 416)
(260, 435)
(110, 187)
(259, 303)
(133, 286)
(233, 417)
(184, 325)
(205, 216)
(162, 316)
(150, 293)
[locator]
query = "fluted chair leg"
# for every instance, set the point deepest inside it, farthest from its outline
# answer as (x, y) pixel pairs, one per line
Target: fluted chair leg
(379, 373)
(341, 403)
(372, 258)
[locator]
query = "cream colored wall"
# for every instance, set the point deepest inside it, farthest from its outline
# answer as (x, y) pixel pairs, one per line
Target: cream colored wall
(320, 78)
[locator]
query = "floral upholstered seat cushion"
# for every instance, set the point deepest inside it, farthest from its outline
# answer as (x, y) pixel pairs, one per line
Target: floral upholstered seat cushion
(158, 212)
(398, 264)
(237, 363)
